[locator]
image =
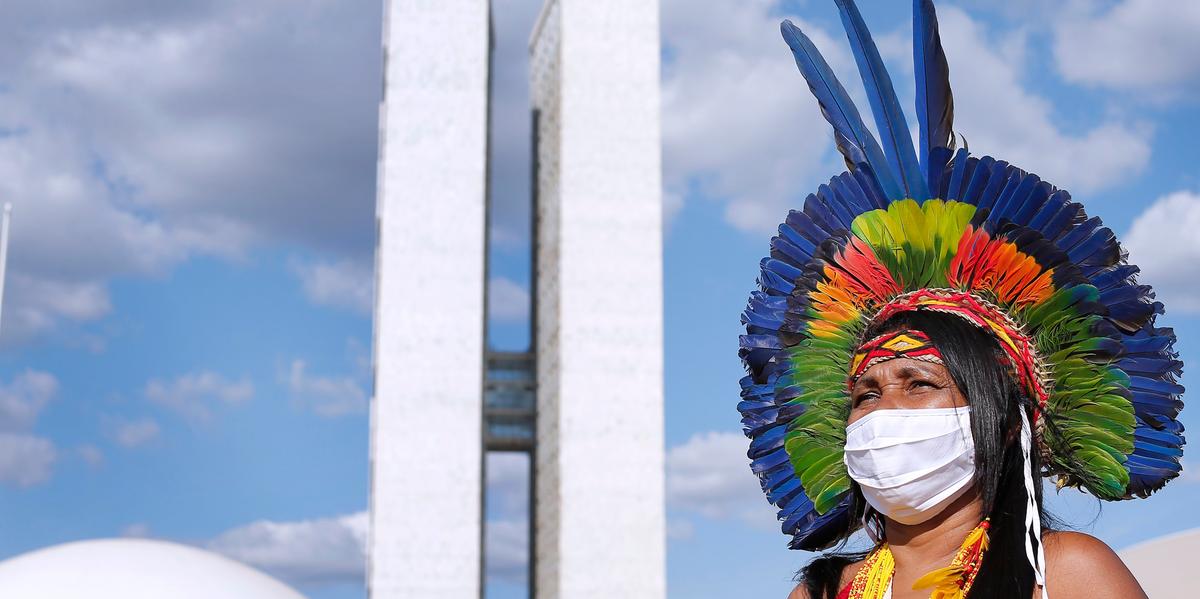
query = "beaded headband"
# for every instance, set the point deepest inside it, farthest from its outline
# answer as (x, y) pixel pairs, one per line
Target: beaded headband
(910, 344)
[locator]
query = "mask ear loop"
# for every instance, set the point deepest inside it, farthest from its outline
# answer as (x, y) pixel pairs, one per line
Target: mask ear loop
(1033, 520)
(872, 531)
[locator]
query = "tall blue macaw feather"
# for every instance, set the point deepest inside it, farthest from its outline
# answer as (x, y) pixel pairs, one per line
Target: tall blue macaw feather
(854, 140)
(889, 117)
(935, 100)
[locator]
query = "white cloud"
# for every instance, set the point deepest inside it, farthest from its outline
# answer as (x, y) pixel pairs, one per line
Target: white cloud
(193, 395)
(1188, 474)
(25, 460)
(1163, 243)
(137, 530)
(134, 433)
(506, 550)
(506, 536)
(680, 529)
(208, 157)
(333, 550)
(1149, 47)
(90, 454)
(710, 475)
(22, 400)
(344, 284)
(317, 551)
(508, 301)
(508, 482)
(740, 126)
(327, 396)
(1001, 117)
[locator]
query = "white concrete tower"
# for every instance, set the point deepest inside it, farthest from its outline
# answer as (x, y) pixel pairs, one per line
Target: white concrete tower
(599, 456)
(426, 416)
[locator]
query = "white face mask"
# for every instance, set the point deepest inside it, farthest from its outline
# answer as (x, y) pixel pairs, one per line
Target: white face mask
(911, 464)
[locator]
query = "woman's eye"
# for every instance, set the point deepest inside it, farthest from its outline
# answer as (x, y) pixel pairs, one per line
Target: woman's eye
(867, 396)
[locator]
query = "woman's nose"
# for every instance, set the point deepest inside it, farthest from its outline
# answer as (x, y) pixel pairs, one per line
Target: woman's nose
(892, 396)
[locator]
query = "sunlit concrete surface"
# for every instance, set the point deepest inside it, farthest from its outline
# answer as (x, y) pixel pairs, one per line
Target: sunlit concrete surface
(426, 416)
(599, 490)
(1167, 567)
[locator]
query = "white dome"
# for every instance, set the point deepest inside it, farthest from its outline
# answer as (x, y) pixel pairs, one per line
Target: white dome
(134, 569)
(1166, 566)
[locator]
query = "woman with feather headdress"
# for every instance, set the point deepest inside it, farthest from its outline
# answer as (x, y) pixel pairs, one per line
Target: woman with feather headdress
(934, 333)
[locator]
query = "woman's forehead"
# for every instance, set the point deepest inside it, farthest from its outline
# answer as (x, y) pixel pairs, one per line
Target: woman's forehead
(901, 368)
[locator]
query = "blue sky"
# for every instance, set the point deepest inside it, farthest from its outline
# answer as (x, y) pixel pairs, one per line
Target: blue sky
(186, 339)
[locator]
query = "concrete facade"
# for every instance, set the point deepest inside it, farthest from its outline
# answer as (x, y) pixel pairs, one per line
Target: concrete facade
(599, 458)
(426, 447)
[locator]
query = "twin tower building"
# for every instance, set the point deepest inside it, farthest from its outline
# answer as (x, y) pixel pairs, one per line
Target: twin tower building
(587, 400)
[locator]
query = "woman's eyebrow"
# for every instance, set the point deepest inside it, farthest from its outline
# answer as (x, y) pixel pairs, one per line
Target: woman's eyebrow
(867, 380)
(911, 371)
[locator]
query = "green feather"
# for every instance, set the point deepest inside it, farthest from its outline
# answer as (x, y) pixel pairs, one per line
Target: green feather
(915, 242)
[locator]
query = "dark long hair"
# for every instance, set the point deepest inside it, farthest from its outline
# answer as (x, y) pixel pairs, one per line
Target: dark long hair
(984, 377)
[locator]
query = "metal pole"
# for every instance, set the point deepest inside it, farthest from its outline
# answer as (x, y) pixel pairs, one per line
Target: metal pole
(4, 248)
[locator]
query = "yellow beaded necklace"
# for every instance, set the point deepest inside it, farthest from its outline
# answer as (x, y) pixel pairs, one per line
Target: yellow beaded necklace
(952, 582)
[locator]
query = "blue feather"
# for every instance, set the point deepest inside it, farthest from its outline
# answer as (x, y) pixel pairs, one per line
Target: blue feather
(1148, 434)
(780, 493)
(774, 479)
(794, 511)
(806, 227)
(999, 174)
(980, 176)
(782, 249)
(1113, 276)
(847, 204)
(1145, 465)
(1075, 235)
(831, 210)
(1033, 202)
(1004, 200)
(1071, 215)
(1098, 248)
(939, 157)
(935, 100)
(854, 141)
(889, 117)
(1150, 366)
(783, 268)
(760, 317)
(805, 245)
(770, 461)
(851, 193)
(1150, 340)
(957, 175)
(1053, 205)
(872, 188)
(1156, 450)
(774, 284)
(814, 532)
(769, 440)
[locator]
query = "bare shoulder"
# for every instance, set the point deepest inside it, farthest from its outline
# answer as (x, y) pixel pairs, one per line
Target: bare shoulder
(1080, 565)
(848, 574)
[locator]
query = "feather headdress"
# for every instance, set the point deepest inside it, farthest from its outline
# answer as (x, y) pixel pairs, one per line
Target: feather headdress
(933, 228)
